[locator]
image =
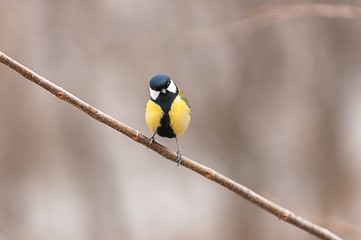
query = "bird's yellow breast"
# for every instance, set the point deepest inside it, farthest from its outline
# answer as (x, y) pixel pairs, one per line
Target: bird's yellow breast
(179, 116)
(153, 115)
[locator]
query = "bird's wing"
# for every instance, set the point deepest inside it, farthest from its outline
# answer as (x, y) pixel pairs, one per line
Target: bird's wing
(181, 94)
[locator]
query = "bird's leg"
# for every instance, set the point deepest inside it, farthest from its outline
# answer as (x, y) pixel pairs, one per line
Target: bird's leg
(179, 153)
(152, 139)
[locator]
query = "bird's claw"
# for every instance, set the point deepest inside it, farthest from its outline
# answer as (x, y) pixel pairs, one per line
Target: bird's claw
(179, 157)
(151, 140)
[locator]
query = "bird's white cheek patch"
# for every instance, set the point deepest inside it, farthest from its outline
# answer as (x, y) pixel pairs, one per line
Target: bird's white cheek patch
(172, 87)
(153, 94)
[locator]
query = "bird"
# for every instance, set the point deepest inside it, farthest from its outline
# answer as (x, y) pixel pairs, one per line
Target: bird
(167, 113)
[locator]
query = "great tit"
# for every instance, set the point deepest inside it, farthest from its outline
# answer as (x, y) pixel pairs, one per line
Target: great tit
(167, 113)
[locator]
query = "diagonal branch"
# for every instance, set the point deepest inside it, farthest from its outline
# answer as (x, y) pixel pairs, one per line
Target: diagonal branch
(209, 173)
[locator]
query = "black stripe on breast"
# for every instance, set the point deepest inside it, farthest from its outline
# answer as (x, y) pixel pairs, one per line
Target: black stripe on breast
(164, 130)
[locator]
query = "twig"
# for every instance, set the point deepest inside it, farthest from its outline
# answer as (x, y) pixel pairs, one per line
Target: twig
(269, 14)
(237, 188)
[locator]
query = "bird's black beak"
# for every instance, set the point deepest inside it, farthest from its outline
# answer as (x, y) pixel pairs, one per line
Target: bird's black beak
(164, 90)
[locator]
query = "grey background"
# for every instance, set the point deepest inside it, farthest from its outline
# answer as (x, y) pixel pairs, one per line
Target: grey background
(276, 108)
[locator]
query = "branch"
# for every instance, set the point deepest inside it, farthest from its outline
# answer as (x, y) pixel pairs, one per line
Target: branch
(269, 14)
(135, 135)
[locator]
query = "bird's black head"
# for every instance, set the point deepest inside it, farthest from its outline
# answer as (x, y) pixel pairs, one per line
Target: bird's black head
(161, 84)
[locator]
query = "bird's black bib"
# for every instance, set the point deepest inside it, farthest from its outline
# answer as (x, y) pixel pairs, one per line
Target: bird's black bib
(165, 102)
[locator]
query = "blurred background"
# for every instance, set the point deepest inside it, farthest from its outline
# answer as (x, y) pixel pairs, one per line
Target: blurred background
(276, 106)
